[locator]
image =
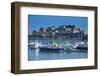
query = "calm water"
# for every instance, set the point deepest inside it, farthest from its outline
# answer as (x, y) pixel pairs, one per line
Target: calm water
(36, 54)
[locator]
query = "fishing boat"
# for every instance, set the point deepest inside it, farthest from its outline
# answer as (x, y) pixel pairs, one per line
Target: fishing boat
(53, 47)
(49, 49)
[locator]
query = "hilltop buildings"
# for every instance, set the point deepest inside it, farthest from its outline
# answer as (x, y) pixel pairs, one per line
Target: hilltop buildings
(63, 31)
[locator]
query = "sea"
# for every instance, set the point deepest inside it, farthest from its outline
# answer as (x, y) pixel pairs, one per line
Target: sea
(36, 54)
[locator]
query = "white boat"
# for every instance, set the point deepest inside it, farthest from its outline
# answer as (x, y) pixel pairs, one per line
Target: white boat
(35, 44)
(80, 46)
(31, 44)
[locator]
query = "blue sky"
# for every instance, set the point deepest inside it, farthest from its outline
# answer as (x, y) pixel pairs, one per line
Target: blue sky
(37, 21)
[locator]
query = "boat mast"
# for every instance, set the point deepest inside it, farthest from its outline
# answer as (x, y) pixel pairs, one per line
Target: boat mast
(53, 37)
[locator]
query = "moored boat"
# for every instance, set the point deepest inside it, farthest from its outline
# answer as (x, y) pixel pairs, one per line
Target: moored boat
(35, 44)
(50, 49)
(77, 47)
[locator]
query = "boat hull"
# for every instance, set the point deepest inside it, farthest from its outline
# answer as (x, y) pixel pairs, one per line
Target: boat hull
(48, 49)
(82, 48)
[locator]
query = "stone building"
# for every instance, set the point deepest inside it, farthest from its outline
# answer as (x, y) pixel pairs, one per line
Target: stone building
(63, 31)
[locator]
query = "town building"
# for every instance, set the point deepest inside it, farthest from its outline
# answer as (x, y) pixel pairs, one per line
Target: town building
(63, 31)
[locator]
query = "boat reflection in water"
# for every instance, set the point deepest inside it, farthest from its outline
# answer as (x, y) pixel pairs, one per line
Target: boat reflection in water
(64, 50)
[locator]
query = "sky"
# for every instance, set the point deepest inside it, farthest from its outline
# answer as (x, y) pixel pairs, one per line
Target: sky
(37, 21)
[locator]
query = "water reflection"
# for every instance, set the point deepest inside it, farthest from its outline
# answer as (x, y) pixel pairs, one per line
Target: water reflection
(36, 54)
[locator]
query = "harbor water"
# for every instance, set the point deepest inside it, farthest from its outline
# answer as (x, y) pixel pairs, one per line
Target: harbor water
(37, 54)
